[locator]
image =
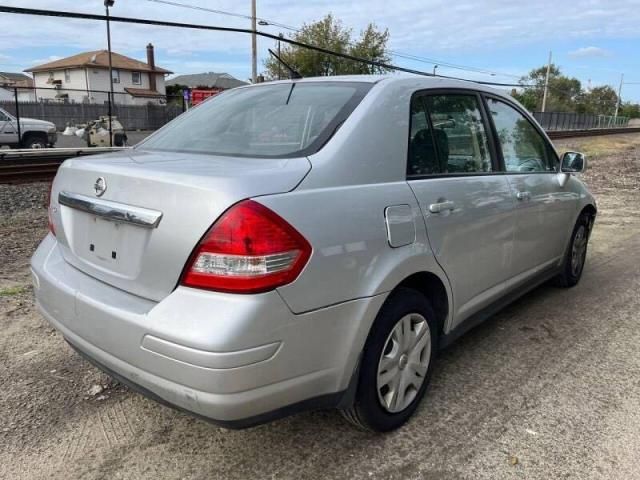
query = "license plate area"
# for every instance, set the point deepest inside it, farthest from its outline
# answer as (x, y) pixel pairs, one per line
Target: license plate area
(105, 240)
(110, 246)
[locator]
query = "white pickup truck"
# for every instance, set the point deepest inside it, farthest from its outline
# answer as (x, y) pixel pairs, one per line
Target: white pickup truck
(33, 133)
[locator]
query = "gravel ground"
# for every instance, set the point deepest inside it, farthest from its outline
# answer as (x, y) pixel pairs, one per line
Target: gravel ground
(549, 388)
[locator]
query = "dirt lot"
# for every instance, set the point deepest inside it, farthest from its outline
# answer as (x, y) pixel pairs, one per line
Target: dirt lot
(549, 388)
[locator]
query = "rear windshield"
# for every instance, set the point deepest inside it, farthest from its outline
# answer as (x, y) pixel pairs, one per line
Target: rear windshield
(280, 120)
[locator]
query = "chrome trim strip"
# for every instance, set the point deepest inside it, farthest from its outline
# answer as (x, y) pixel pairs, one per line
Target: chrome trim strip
(114, 211)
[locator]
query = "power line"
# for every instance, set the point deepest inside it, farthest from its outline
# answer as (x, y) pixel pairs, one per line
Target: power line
(86, 16)
(223, 12)
(163, 23)
(407, 56)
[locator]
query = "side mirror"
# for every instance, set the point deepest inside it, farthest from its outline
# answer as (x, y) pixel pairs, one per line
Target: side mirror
(573, 162)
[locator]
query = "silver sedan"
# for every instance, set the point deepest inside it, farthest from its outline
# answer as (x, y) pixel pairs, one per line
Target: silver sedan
(308, 244)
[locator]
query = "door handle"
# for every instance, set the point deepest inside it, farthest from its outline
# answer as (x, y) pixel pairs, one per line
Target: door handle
(442, 207)
(523, 195)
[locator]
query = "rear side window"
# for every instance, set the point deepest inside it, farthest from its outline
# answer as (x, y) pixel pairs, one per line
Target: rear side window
(282, 120)
(523, 147)
(451, 139)
(423, 158)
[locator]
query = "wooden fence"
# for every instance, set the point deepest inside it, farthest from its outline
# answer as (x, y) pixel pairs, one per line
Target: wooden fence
(132, 117)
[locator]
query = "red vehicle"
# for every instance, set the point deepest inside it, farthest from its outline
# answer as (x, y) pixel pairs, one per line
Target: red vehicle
(199, 95)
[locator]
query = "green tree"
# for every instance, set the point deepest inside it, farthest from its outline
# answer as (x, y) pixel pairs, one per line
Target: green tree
(562, 94)
(599, 101)
(175, 90)
(331, 34)
(631, 110)
(174, 94)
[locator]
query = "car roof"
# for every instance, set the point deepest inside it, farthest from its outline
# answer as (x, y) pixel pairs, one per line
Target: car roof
(411, 81)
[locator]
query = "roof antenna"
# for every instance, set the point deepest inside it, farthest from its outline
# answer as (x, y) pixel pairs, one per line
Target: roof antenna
(293, 73)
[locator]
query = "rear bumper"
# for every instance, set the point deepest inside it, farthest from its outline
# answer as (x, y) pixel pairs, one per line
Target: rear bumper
(235, 359)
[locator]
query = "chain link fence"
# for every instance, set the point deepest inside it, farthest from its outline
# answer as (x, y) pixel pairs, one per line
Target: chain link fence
(134, 113)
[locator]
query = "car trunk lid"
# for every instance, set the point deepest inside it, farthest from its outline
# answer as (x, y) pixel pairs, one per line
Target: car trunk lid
(138, 234)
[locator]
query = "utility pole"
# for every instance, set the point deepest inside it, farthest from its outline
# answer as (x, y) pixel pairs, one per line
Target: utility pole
(615, 115)
(107, 4)
(254, 44)
(546, 85)
(280, 36)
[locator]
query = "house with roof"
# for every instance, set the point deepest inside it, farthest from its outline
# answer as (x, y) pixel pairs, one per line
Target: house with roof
(11, 80)
(84, 78)
(210, 80)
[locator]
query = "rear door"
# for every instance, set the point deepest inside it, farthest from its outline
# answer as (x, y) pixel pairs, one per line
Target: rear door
(544, 208)
(466, 202)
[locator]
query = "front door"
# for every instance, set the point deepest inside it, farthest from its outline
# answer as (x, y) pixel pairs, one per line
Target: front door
(544, 208)
(8, 129)
(467, 204)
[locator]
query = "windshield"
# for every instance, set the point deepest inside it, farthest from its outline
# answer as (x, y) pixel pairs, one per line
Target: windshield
(280, 120)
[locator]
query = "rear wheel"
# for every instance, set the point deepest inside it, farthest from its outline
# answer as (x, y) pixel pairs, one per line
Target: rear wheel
(576, 255)
(396, 363)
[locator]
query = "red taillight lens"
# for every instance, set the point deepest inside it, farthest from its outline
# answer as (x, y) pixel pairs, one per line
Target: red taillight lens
(250, 249)
(52, 229)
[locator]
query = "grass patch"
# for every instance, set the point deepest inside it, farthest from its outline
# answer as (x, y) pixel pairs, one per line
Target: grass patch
(597, 146)
(11, 291)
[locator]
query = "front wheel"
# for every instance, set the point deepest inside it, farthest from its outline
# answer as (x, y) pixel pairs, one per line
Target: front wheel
(576, 255)
(396, 363)
(35, 141)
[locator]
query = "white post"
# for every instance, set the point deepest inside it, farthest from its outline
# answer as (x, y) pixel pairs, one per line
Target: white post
(619, 94)
(546, 84)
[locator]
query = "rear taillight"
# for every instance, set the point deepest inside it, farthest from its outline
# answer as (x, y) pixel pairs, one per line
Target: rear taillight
(52, 229)
(250, 249)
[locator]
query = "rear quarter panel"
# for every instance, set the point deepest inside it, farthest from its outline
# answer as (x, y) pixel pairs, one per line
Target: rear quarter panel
(351, 255)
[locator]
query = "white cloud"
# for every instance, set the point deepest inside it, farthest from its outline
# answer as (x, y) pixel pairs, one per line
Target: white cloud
(590, 52)
(50, 58)
(431, 28)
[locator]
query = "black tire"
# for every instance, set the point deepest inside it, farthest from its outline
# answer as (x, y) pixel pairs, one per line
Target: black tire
(575, 258)
(34, 140)
(368, 411)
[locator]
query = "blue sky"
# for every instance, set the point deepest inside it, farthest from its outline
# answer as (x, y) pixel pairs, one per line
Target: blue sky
(593, 40)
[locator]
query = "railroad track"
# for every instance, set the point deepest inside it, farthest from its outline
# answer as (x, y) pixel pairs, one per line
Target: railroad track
(12, 171)
(592, 132)
(23, 166)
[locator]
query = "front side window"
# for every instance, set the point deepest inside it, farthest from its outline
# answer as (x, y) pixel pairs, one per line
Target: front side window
(116, 76)
(284, 120)
(135, 77)
(523, 147)
(67, 76)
